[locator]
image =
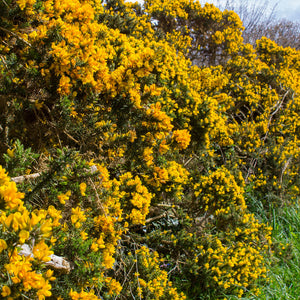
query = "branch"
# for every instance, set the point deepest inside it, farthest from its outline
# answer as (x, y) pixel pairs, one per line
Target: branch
(99, 202)
(4, 62)
(56, 262)
(22, 178)
(156, 218)
(14, 34)
(284, 168)
(19, 179)
(5, 3)
(70, 137)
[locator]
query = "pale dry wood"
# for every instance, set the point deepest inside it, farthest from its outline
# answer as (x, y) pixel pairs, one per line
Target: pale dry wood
(19, 179)
(55, 262)
(22, 178)
(156, 218)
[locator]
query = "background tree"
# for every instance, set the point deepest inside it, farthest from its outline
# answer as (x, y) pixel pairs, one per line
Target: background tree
(284, 32)
(251, 13)
(260, 20)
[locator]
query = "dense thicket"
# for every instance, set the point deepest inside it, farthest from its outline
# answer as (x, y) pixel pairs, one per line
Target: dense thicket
(149, 130)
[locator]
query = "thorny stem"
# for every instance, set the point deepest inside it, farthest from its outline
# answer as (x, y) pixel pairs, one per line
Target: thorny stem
(14, 34)
(137, 271)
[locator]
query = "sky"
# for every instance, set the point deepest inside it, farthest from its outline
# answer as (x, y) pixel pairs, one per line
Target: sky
(285, 9)
(289, 9)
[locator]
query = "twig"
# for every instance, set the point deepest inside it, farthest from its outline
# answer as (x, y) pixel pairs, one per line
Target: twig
(284, 168)
(156, 218)
(277, 106)
(223, 156)
(55, 128)
(98, 198)
(5, 3)
(14, 34)
(70, 137)
(126, 276)
(165, 205)
(137, 271)
(4, 62)
(201, 221)
(253, 164)
(176, 267)
(188, 161)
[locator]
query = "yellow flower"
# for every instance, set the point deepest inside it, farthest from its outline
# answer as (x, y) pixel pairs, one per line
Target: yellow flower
(83, 235)
(64, 197)
(22, 4)
(11, 152)
(24, 235)
(38, 104)
(49, 274)
(3, 245)
(94, 247)
(182, 137)
(46, 228)
(5, 291)
(42, 252)
(44, 290)
(83, 295)
(77, 216)
(82, 187)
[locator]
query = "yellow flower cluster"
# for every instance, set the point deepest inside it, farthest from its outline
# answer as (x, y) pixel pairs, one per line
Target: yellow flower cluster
(265, 115)
(64, 197)
(139, 196)
(77, 217)
(24, 227)
(219, 190)
(114, 287)
(28, 4)
(233, 257)
(234, 262)
(36, 227)
(185, 17)
(159, 121)
(182, 137)
(151, 281)
(83, 295)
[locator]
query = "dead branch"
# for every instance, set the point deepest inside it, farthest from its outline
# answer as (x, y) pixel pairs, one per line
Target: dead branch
(156, 218)
(19, 179)
(15, 35)
(22, 178)
(100, 205)
(5, 3)
(71, 138)
(4, 62)
(284, 168)
(55, 262)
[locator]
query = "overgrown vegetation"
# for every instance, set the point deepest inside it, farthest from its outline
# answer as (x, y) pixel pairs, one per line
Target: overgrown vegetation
(156, 154)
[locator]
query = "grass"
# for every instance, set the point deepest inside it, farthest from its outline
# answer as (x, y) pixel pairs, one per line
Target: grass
(284, 263)
(284, 266)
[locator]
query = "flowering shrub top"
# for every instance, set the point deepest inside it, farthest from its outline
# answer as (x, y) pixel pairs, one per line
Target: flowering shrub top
(153, 126)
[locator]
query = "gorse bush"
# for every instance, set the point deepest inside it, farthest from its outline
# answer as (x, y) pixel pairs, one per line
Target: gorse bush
(149, 129)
